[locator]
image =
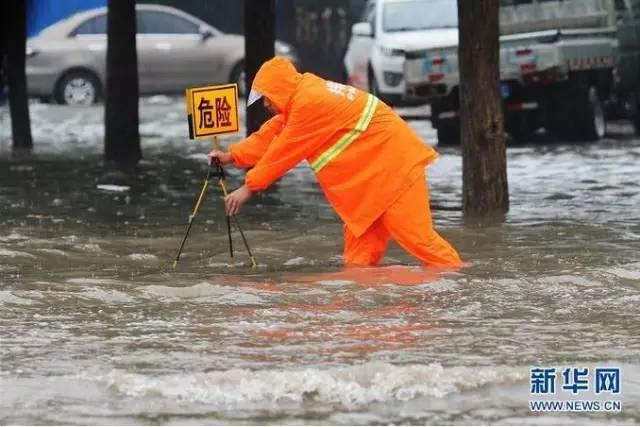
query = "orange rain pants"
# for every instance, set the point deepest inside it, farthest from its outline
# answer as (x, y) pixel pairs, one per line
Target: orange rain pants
(408, 222)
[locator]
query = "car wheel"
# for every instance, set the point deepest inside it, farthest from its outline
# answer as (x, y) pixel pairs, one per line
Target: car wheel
(78, 88)
(238, 76)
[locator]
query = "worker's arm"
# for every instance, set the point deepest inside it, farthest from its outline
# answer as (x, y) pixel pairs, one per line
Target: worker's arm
(248, 152)
(298, 140)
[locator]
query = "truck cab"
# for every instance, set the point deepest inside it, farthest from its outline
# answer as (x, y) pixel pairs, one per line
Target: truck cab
(565, 65)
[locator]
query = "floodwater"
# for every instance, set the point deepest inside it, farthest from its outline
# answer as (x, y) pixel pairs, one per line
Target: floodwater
(96, 328)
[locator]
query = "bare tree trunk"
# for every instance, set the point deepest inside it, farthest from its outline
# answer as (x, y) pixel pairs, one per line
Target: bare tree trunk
(484, 165)
(259, 41)
(121, 136)
(15, 42)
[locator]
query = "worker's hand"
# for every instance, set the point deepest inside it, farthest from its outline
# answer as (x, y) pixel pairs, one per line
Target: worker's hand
(235, 200)
(222, 156)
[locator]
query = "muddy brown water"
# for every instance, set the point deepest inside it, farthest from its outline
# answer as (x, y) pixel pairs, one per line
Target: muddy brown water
(97, 329)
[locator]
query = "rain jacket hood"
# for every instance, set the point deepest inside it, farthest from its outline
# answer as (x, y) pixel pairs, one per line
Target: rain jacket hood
(277, 80)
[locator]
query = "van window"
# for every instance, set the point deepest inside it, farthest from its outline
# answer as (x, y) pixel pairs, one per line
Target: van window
(413, 15)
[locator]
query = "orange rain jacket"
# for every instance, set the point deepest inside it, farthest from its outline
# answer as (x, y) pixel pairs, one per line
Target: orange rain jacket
(365, 178)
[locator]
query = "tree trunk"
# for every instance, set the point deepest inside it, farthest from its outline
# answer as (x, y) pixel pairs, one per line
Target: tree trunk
(121, 136)
(259, 41)
(15, 43)
(484, 165)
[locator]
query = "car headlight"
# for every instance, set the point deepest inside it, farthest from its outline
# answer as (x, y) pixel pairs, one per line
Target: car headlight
(390, 51)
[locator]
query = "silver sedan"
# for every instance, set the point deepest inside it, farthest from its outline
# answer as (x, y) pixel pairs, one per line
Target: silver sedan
(66, 62)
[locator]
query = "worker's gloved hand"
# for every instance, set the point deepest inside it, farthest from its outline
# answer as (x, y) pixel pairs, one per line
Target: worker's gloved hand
(235, 200)
(223, 157)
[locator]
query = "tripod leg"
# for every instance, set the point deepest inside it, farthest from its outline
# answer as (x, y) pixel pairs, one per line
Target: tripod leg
(229, 234)
(235, 218)
(246, 244)
(192, 217)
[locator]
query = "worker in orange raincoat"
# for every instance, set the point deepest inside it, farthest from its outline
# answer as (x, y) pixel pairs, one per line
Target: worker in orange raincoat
(368, 161)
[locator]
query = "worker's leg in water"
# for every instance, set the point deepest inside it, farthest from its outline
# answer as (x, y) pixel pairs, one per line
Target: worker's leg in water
(409, 221)
(368, 249)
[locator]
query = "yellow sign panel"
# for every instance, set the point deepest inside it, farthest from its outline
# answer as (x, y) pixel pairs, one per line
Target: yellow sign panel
(212, 110)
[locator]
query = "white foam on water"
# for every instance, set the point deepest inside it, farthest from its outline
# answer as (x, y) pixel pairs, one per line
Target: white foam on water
(297, 261)
(109, 296)
(13, 237)
(568, 279)
(143, 257)
(88, 247)
(52, 251)
(7, 297)
(215, 264)
(439, 285)
(469, 310)
(351, 387)
(631, 271)
(92, 281)
(6, 253)
(198, 156)
(158, 100)
(631, 299)
(336, 282)
(206, 292)
(21, 168)
(114, 188)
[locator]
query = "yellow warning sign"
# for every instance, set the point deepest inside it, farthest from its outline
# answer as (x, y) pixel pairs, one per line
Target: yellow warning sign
(212, 110)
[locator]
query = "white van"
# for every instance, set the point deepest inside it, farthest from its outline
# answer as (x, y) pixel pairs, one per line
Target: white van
(374, 60)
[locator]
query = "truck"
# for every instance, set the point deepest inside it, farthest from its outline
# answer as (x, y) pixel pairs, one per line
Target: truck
(565, 65)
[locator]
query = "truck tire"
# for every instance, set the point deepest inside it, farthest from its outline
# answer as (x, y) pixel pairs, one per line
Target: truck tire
(448, 132)
(635, 113)
(591, 124)
(636, 123)
(520, 130)
(448, 129)
(579, 115)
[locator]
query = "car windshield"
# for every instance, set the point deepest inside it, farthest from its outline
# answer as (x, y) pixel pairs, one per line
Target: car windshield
(412, 15)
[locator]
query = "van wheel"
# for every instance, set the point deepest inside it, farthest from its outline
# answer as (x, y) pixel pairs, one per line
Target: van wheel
(78, 88)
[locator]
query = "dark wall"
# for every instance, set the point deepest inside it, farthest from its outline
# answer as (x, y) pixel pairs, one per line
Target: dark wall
(318, 29)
